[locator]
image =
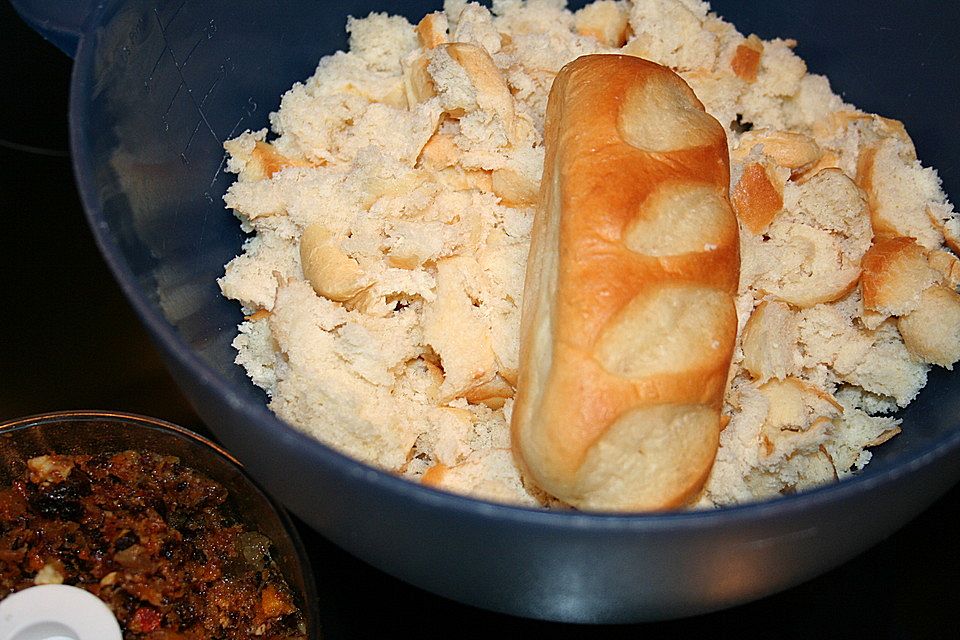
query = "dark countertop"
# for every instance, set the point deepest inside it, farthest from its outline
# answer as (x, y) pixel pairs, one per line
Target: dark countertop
(69, 340)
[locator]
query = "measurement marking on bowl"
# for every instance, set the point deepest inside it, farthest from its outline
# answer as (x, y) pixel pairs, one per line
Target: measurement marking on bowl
(163, 51)
(163, 118)
(223, 156)
(183, 81)
(221, 74)
(196, 44)
(172, 17)
(153, 71)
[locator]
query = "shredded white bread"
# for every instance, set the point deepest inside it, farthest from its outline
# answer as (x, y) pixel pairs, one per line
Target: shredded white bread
(391, 212)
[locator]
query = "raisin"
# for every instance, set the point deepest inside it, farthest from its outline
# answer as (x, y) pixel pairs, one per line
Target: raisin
(60, 501)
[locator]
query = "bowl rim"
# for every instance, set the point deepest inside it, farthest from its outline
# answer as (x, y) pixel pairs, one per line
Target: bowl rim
(173, 345)
(24, 422)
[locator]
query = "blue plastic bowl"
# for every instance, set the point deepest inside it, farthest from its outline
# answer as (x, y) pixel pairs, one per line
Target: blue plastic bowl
(157, 87)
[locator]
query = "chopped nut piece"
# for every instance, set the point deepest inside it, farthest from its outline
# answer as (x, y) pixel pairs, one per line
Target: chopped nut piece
(109, 579)
(49, 468)
(49, 574)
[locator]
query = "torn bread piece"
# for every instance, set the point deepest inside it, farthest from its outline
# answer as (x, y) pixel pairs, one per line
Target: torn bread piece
(931, 331)
(770, 342)
(895, 274)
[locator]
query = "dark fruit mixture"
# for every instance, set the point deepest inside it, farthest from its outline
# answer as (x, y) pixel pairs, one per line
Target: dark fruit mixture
(153, 539)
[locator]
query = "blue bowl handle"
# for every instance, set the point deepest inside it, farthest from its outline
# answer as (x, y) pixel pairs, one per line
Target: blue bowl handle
(60, 22)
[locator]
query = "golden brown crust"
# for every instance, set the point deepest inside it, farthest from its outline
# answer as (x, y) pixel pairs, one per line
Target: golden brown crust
(626, 346)
(746, 59)
(265, 161)
(895, 272)
(433, 477)
(432, 30)
(932, 331)
(756, 199)
(881, 228)
(795, 151)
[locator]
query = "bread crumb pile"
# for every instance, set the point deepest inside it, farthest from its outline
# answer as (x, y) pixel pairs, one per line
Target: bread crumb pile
(391, 211)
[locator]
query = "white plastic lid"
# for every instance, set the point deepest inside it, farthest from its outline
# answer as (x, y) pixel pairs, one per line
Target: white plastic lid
(56, 612)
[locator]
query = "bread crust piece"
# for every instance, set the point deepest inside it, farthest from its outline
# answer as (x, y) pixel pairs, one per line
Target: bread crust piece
(626, 343)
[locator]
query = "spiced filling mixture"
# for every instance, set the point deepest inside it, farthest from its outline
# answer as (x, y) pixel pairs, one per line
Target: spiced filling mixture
(155, 540)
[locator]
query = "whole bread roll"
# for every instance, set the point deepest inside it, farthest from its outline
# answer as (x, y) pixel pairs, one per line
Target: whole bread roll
(628, 322)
